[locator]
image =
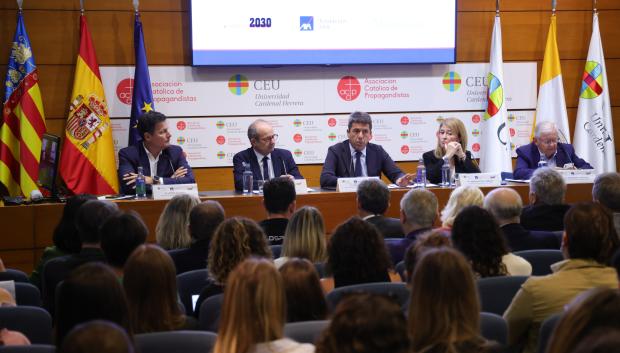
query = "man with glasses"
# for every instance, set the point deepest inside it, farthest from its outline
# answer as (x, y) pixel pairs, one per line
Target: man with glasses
(357, 157)
(266, 161)
(546, 148)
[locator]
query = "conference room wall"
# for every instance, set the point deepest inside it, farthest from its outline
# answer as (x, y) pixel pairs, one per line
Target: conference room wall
(53, 28)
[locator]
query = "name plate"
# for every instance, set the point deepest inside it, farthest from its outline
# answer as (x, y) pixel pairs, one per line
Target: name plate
(166, 192)
(350, 184)
(301, 186)
(577, 176)
(480, 179)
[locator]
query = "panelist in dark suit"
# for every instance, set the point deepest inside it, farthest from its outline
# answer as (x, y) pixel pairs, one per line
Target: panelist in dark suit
(451, 146)
(357, 157)
(265, 160)
(545, 147)
(162, 163)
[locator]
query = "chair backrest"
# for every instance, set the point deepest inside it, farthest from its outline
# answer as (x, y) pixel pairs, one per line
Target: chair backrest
(188, 284)
(33, 348)
(305, 331)
(276, 250)
(210, 311)
(400, 268)
(496, 293)
(34, 322)
(397, 291)
(175, 342)
(494, 328)
(14, 275)
(541, 259)
(27, 294)
(546, 329)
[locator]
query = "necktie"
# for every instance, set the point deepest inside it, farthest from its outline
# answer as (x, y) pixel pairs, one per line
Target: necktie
(358, 164)
(265, 168)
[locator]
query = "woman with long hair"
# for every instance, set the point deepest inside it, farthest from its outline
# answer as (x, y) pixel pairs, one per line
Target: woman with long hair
(304, 237)
(460, 198)
(305, 299)
(254, 311)
(172, 230)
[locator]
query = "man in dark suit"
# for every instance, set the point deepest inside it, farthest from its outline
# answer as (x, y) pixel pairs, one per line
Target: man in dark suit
(265, 160)
(373, 199)
(606, 191)
(546, 147)
(547, 208)
(505, 205)
(357, 157)
(162, 163)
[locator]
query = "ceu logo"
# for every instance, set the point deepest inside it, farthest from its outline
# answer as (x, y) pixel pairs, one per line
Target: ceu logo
(349, 88)
(238, 84)
(221, 155)
(404, 149)
(475, 132)
(592, 84)
(124, 91)
(220, 140)
(451, 81)
(511, 117)
(180, 140)
(331, 136)
(404, 134)
(181, 125)
(495, 97)
(475, 147)
(297, 123)
(331, 122)
(220, 124)
(297, 138)
(298, 152)
(404, 120)
(306, 23)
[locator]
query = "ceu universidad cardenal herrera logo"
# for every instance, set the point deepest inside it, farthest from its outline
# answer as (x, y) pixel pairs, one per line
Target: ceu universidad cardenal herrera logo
(306, 23)
(592, 84)
(495, 97)
(238, 84)
(451, 81)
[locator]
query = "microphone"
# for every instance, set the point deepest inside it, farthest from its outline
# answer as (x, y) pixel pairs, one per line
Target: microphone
(571, 165)
(36, 196)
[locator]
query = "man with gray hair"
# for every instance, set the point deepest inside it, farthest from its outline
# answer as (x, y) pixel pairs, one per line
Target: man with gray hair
(265, 160)
(606, 191)
(505, 205)
(547, 208)
(373, 199)
(546, 147)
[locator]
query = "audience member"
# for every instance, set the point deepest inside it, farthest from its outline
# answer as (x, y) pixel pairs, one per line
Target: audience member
(121, 234)
(6, 298)
(606, 191)
(13, 338)
(460, 198)
(373, 199)
(235, 240)
(97, 336)
(506, 205)
(357, 254)
(476, 234)
(588, 243)
(151, 287)
(204, 219)
(426, 241)
(304, 237)
(444, 310)
(365, 323)
(304, 297)
(253, 312)
(547, 208)
(599, 341)
(279, 201)
(91, 292)
(172, 231)
(66, 238)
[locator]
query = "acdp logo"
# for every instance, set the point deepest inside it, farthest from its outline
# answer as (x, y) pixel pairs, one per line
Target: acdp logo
(404, 120)
(124, 91)
(476, 147)
(297, 138)
(331, 122)
(475, 119)
(349, 88)
(181, 125)
(404, 149)
(238, 84)
(220, 140)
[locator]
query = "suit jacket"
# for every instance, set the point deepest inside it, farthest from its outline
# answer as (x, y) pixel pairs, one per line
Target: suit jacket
(520, 238)
(192, 258)
(282, 160)
(433, 166)
(398, 247)
(544, 217)
(528, 157)
(339, 164)
(171, 159)
(389, 227)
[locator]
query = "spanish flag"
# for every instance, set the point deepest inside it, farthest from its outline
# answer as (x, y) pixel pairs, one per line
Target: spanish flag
(87, 162)
(23, 118)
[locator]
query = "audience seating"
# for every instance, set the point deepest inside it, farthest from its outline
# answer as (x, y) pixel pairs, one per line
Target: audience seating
(400, 268)
(14, 275)
(175, 342)
(210, 310)
(34, 322)
(496, 293)
(494, 328)
(305, 331)
(276, 250)
(541, 259)
(33, 348)
(27, 294)
(188, 284)
(546, 329)
(396, 291)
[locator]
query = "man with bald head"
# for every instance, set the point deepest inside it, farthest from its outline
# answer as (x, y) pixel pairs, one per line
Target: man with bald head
(506, 205)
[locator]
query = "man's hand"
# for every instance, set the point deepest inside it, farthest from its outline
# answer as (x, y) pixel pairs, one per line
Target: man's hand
(179, 173)
(130, 178)
(405, 180)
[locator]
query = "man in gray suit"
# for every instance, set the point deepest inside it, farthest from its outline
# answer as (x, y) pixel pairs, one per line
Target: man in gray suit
(373, 199)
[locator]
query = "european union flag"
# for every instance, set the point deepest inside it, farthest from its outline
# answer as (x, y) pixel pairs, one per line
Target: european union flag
(142, 97)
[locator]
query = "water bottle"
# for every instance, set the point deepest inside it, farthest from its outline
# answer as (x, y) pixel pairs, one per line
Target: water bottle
(542, 163)
(140, 184)
(445, 173)
(248, 179)
(420, 178)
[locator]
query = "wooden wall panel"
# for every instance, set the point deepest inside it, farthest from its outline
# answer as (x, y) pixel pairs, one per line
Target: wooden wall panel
(533, 5)
(97, 5)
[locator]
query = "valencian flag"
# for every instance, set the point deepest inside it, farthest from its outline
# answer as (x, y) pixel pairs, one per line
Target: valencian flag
(495, 154)
(551, 103)
(23, 118)
(594, 128)
(142, 97)
(87, 162)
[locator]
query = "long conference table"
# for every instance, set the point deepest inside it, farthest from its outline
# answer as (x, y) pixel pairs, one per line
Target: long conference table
(26, 230)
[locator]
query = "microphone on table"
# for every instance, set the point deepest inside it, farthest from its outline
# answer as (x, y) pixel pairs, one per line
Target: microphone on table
(36, 196)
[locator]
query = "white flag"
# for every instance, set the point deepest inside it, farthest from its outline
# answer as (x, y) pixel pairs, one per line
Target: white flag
(495, 156)
(551, 103)
(594, 128)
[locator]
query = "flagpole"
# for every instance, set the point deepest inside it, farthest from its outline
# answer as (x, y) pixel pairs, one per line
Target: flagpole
(553, 5)
(496, 8)
(81, 7)
(19, 6)
(594, 7)
(136, 4)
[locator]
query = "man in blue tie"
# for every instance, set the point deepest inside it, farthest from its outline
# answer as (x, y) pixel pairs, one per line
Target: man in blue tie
(357, 157)
(265, 160)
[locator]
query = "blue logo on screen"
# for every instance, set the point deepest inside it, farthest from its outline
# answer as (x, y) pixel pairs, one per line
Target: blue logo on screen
(306, 23)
